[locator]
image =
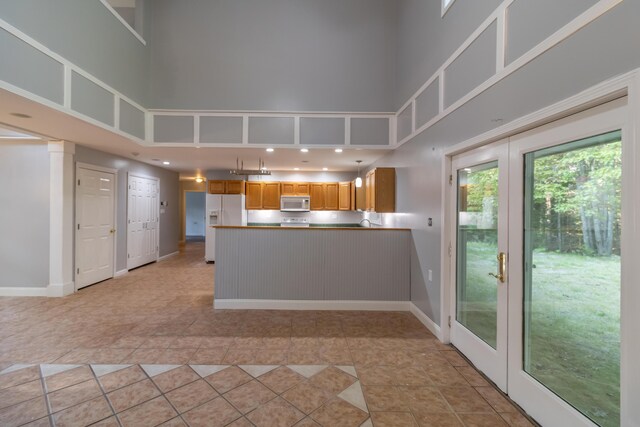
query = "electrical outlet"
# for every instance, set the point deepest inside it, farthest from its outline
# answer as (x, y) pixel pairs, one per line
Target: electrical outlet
(430, 275)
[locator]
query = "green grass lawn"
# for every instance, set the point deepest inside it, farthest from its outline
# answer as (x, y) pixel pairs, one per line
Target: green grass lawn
(574, 337)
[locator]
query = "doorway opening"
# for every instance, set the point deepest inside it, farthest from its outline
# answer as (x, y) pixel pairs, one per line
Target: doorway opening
(195, 224)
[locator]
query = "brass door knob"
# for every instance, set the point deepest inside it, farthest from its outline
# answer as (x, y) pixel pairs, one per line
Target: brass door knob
(502, 268)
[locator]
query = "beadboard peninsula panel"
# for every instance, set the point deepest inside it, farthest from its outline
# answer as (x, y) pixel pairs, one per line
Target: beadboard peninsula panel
(312, 264)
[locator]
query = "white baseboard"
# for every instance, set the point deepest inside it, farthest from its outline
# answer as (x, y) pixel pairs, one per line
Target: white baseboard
(426, 321)
(23, 291)
(162, 258)
(60, 289)
(121, 273)
(269, 304)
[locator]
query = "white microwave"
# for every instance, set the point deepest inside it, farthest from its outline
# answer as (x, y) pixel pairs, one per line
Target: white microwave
(295, 204)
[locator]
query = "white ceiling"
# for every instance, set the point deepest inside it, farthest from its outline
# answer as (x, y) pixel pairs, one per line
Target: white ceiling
(51, 124)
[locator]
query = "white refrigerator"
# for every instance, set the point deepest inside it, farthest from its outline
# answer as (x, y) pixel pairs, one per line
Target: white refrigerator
(222, 209)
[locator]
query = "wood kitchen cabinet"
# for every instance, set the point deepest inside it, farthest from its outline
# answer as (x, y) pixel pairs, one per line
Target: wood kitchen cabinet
(217, 187)
(317, 196)
(324, 196)
(358, 197)
(344, 196)
(253, 198)
(271, 195)
(294, 189)
(380, 190)
(226, 187)
(234, 187)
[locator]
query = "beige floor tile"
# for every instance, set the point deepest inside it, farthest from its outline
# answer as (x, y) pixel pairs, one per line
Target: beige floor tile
(175, 378)
(276, 413)
(19, 377)
(385, 398)
(332, 380)
(482, 420)
(240, 422)
(338, 413)
(516, 419)
(465, 399)
(42, 422)
(393, 419)
(70, 396)
(174, 422)
(307, 397)
(191, 395)
(23, 413)
(472, 376)
(148, 414)
(85, 413)
(20, 393)
(68, 378)
(228, 379)
(208, 356)
(434, 419)
(281, 379)
(215, 413)
(132, 395)
(424, 399)
(496, 399)
(454, 358)
(121, 378)
(109, 422)
(249, 396)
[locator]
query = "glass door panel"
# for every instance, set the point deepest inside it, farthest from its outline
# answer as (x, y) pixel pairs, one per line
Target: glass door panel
(571, 269)
(477, 246)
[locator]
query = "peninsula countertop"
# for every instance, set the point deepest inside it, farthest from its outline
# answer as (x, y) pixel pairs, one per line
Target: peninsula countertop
(272, 227)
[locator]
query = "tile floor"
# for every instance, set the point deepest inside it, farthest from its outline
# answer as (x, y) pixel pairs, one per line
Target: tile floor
(147, 348)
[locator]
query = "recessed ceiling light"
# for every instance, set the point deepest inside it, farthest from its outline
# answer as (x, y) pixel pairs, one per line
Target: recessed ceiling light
(325, 169)
(21, 115)
(269, 150)
(304, 150)
(338, 150)
(296, 169)
(166, 163)
(305, 161)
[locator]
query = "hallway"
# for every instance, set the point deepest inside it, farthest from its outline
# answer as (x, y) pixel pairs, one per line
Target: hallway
(291, 367)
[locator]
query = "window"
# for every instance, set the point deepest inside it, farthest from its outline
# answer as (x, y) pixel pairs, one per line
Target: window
(446, 4)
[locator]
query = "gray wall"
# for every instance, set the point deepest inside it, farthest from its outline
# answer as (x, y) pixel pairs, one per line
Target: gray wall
(195, 206)
(590, 56)
(336, 55)
(169, 222)
(24, 214)
(87, 34)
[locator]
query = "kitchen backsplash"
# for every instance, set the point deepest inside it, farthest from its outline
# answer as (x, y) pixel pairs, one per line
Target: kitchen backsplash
(315, 217)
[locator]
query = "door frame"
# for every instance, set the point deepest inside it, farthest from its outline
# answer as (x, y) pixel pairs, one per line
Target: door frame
(624, 85)
(138, 175)
(81, 165)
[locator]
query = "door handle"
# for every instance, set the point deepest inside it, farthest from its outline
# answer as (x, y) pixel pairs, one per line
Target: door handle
(112, 231)
(502, 268)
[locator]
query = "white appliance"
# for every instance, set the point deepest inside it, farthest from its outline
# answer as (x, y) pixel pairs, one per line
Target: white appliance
(295, 204)
(222, 209)
(294, 222)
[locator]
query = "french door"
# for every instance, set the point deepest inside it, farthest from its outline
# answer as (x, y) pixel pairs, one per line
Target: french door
(479, 326)
(538, 250)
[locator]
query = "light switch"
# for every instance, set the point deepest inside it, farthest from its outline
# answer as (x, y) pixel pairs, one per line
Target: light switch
(430, 275)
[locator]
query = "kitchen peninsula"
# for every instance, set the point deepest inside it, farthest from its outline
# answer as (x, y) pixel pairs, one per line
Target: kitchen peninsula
(312, 268)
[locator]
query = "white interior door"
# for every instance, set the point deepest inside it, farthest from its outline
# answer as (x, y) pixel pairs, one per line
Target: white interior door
(479, 186)
(95, 230)
(143, 221)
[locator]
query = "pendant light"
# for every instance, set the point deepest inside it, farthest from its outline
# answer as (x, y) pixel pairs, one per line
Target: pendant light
(358, 179)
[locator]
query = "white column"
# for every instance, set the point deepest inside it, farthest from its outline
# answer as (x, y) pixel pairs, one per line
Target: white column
(61, 176)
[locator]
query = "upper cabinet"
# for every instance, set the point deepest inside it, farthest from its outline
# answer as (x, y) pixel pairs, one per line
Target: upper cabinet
(262, 195)
(344, 196)
(358, 197)
(380, 190)
(317, 196)
(254, 195)
(294, 189)
(324, 196)
(271, 195)
(226, 187)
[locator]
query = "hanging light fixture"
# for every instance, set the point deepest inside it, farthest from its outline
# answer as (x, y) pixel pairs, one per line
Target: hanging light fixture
(199, 180)
(358, 179)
